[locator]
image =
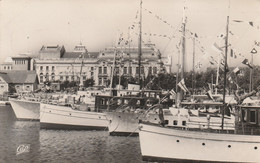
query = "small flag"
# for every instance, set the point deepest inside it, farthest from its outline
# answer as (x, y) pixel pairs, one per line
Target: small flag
(245, 61)
(172, 92)
(230, 79)
(216, 47)
(231, 53)
(253, 51)
(182, 85)
(238, 21)
(236, 70)
(209, 94)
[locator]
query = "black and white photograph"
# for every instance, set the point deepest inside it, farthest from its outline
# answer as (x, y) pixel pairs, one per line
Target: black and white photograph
(129, 81)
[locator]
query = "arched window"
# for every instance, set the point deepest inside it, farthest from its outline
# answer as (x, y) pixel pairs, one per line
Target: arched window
(47, 76)
(52, 76)
(41, 77)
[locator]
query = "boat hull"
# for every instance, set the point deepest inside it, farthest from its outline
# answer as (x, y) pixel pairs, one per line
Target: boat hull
(25, 110)
(171, 144)
(123, 124)
(64, 117)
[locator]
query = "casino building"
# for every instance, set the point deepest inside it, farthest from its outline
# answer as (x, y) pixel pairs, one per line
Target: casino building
(55, 64)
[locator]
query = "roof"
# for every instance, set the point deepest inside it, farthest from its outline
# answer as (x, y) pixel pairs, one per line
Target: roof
(19, 77)
(79, 55)
(5, 77)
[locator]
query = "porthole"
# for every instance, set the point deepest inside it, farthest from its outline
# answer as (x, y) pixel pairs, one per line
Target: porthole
(119, 116)
(155, 118)
(70, 113)
(203, 143)
(50, 111)
(229, 146)
(255, 148)
(177, 141)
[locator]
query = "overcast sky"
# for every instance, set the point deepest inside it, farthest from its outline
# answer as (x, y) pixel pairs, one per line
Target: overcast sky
(26, 25)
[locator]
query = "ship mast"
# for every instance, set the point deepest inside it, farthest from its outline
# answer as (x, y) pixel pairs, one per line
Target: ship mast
(225, 73)
(140, 45)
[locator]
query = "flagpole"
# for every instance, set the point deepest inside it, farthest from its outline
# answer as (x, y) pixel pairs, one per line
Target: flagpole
(177, 80)
(225, 74)
(193, 64)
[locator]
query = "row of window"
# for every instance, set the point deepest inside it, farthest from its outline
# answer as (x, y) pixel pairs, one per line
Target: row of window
(103, 70)
(7, 67)
(47, 68)
(62, 78)
(19, 62)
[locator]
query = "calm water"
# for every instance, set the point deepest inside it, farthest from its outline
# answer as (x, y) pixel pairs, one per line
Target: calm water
(62, 146)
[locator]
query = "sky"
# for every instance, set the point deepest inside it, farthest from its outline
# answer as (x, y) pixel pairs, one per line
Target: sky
(27, 25)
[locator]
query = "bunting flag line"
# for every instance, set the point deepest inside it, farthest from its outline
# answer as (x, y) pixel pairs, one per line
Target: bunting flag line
(159, 18)
(252, 24)
(182, 85)
(245, 61)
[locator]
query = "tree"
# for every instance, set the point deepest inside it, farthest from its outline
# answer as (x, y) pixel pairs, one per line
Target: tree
(89, 83)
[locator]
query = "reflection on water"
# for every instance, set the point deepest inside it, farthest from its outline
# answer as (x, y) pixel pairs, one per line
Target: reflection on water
(62, 146)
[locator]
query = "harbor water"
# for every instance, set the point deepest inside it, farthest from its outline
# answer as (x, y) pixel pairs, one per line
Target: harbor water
(60, 145)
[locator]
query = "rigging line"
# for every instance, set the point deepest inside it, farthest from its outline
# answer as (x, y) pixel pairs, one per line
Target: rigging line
(174, 33)
(243, 35)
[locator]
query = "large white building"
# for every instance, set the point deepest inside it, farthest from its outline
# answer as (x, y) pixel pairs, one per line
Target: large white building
(55, 64)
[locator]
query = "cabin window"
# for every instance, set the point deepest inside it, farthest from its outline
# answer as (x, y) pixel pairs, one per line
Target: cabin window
(175, 122)
(184, 123)
(252, 114)
(41, 68)
(166, 122)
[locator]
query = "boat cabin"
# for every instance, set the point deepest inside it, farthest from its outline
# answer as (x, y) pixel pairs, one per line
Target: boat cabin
(248, 120)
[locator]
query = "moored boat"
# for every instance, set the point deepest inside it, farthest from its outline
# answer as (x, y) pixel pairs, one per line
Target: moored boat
(70, 118)
(160, 143)
(25, 109)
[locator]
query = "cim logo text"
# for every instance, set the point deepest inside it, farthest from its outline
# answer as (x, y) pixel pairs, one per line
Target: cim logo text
(24, 148)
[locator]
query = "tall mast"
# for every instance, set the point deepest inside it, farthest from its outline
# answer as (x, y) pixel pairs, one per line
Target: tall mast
(193, 64)
(183, 43)
(140, 46)
(225, 74)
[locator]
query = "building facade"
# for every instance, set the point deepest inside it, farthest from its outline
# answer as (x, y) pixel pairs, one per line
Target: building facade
(55, 64)
(19, 81)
